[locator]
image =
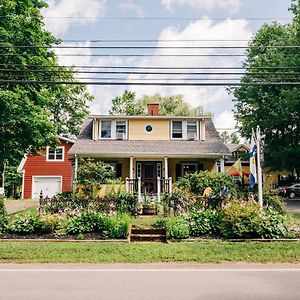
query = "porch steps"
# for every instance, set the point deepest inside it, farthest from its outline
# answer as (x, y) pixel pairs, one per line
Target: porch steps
(147, 234)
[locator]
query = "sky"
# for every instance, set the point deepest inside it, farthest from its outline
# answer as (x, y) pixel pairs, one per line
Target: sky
(159, 20)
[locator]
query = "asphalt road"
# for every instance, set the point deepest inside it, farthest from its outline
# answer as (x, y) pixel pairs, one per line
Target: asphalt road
(150, 281)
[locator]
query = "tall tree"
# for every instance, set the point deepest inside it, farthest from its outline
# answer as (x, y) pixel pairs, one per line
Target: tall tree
(276, 109)
(127, 104)
(33, 114)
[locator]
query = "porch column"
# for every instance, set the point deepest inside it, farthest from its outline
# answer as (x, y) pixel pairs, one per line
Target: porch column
(166, 167)
(131, 167)
(222, 169)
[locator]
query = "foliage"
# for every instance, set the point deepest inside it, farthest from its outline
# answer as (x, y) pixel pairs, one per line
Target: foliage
(204, 222)
(245, 220)
(26, 224)
(126, 203)
(38, 111)
(273, 200)
(3, 215)
(126, 105)
(91, 173)
(175, 105)
(197, 182)
(13, 182)
(232, 138)
(177, 228)
(50, 223)
(276, 109)
(93, 222)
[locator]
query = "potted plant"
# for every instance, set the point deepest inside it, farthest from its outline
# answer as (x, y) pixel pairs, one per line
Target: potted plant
(149, 208)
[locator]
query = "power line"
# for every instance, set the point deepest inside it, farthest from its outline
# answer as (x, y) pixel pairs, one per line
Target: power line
(151, 67)
(148, 18)
(3, 81)
(150, 73)
(151, 47)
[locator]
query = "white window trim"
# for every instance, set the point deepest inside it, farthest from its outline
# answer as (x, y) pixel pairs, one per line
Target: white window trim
(55, 160)
(55, 176)
(184, 129)
(113, 129)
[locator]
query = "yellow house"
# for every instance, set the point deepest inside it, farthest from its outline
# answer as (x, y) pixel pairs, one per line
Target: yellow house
(270, 178)
(151, 152)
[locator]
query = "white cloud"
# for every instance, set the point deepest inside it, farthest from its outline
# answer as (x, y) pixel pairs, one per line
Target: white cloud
(74, 12)
(205, 4)
(225, 121)
(129, 5)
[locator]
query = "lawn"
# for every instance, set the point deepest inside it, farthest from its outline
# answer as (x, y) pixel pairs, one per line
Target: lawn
(201, 252)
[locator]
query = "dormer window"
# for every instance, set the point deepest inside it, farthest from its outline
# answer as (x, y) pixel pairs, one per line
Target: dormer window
(55, 154)
(111, 129)
(185, 130)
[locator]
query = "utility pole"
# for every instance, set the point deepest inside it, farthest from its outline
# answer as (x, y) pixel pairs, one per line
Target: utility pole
(259, 138)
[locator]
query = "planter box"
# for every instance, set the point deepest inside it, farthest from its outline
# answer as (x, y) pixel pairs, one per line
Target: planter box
(149, 210)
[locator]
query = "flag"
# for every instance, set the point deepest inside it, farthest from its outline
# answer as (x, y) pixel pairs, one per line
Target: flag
(253, 177)
(238, 166)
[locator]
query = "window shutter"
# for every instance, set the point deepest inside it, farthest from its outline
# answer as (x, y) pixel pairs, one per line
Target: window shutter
(118, 170)
(178, 171)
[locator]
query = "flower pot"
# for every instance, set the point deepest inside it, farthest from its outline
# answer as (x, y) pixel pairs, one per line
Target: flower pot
(149, 210)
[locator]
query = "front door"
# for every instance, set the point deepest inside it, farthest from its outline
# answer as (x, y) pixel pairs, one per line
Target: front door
(149, 171)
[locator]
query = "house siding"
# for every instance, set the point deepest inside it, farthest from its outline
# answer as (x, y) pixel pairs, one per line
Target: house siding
(36, 165)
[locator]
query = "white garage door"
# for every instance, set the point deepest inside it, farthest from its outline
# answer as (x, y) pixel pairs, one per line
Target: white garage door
(48, 185)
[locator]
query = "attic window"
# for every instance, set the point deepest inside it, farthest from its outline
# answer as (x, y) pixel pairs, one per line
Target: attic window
(55, 154)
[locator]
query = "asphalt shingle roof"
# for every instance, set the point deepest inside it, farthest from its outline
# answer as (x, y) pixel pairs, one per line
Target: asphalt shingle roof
(211, 146)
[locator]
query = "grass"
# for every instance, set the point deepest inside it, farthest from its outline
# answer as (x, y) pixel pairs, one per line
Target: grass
(145, 220)
(201, 252)
(31, 210)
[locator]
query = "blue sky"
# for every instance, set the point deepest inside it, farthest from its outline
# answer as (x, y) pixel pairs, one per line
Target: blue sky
(91, 19)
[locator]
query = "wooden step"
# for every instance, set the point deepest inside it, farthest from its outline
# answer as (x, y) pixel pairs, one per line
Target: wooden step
(148, 238)
(147, 234)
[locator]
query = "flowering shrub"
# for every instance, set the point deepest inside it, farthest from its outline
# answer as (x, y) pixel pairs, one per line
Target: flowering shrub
(27, 224)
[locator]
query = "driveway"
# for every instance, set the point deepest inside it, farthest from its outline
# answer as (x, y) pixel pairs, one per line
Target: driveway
(13, 206)
(293, 204)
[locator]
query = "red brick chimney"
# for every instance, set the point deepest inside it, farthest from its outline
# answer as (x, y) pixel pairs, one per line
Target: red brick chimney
(153, 109)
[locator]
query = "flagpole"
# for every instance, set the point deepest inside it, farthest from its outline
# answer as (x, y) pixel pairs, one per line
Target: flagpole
(259, 171)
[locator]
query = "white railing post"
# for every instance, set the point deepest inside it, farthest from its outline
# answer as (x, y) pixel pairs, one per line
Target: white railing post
(158, 189)
(139, 189)
(170, 185)
(127, 184)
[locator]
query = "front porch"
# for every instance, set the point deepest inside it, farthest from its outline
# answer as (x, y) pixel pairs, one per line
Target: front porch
(150, 177)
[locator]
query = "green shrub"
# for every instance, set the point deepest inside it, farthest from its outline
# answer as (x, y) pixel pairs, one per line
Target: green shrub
(24, 225)
(246, 220)
(177, 228)
(205, 222)
(273, 200)
(50, 223)
(86, 222)
(3, 215)
(118, 227)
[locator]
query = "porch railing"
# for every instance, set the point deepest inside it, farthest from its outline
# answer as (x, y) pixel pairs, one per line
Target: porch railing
(134, 186)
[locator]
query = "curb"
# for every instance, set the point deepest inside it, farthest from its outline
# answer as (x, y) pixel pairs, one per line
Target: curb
(64, 241)
(233, 240)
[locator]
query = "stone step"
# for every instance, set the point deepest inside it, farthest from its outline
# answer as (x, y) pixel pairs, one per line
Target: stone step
(147, 230)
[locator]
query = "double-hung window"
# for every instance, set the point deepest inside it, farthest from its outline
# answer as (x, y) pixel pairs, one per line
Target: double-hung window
(176, 129)
(55, 154)
(106, 129)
